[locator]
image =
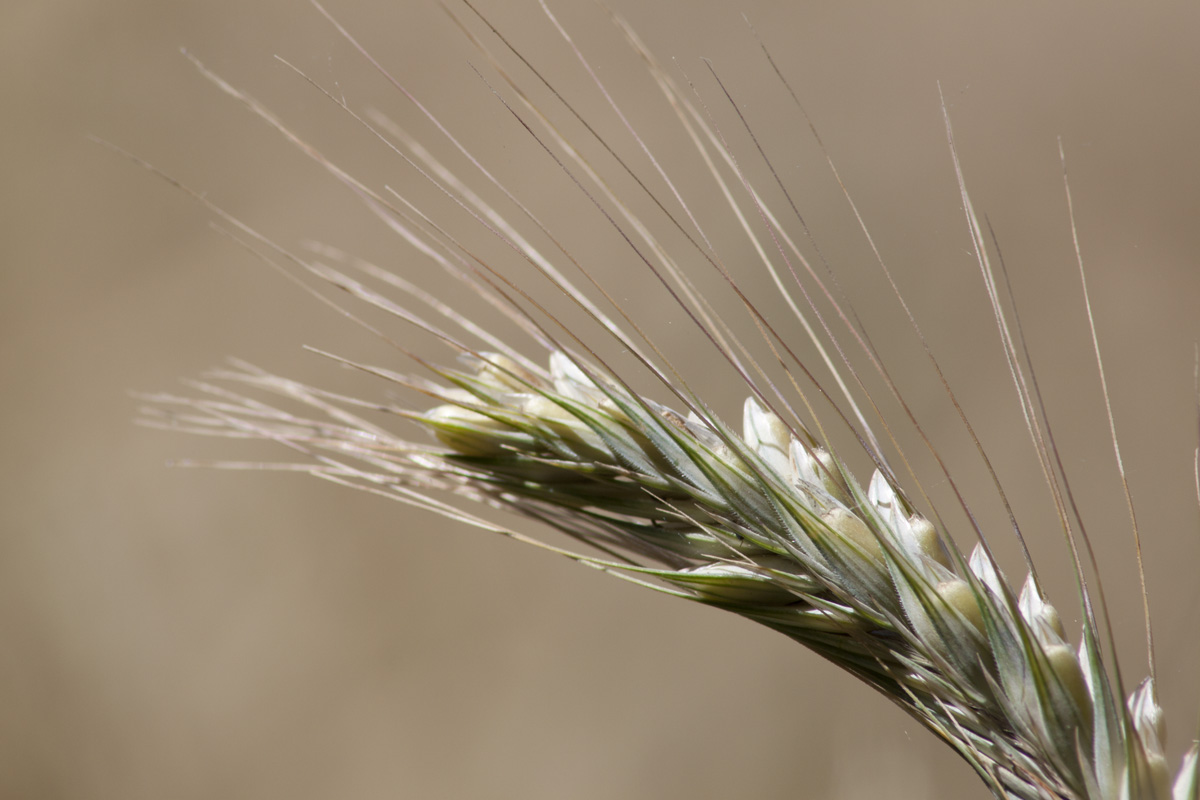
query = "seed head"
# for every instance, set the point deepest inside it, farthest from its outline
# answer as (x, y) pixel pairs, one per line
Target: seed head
(769, 521)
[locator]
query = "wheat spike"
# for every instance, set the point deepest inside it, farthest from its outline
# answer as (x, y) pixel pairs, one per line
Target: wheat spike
(766, 519)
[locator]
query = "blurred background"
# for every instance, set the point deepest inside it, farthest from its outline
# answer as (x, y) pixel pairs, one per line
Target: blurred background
(196, 633)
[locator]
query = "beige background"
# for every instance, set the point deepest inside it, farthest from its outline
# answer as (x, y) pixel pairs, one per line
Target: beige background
(197, 634)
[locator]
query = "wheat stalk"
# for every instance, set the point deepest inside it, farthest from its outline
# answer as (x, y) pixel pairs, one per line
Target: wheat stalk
(769, 521)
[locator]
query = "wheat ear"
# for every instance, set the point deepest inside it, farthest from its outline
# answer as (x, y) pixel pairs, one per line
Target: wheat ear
(766, 521)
